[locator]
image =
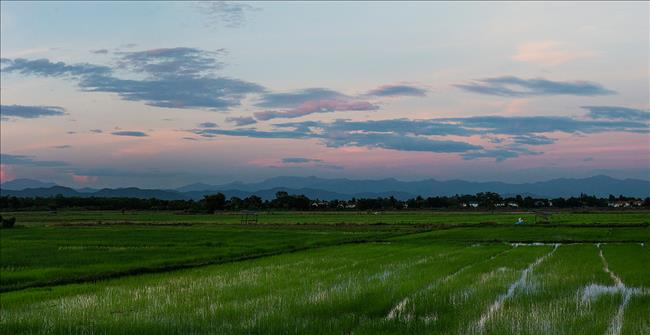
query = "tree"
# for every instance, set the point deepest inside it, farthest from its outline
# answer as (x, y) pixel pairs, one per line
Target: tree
(488, 199)
(214, 202)
(235, 204)
(253, 202)
(8, 223)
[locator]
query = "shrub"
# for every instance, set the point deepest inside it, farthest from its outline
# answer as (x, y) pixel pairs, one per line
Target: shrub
(8, 223)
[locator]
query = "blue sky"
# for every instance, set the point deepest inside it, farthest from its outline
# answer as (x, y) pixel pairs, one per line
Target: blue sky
(159, 94)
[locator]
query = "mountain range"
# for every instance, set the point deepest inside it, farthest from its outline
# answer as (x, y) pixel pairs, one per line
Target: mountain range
(328, 189)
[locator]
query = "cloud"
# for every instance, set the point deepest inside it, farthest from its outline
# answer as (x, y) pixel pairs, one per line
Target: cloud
(30, 112)
(525, 125)
(400, 142)
(129, 133)
(510, 86)
(241, 121)
(297, 98)
(309, 101)
(208, 125)
(430, 127)
(533, 140)
(81, 179)
(46, 68)
(214, 93)
(229, 14)
(339, 133)
(397, 90)
(173, 78)
(186, 78)
(251, 132)
(499, 154)
(617, 113)
(181, 92)
(428, 135)
(548, 53)
(28, 161)
(299, 160)
(174, 62)
(317, 106)
(65, 146)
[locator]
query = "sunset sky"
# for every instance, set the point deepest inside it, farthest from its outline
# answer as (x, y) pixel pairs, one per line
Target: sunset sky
(164, 94)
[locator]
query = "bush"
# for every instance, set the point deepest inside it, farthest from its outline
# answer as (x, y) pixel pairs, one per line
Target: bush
(8, 223)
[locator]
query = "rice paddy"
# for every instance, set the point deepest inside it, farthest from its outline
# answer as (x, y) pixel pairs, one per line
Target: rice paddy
(507, 217)
(317, 280)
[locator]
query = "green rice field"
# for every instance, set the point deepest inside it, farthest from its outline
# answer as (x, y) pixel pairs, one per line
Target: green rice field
(326, 274)
(334, 217)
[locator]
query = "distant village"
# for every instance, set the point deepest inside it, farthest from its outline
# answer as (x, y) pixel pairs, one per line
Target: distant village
(286, 201)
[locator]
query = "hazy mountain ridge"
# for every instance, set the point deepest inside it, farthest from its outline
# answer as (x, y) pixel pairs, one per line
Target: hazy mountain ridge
(23, 183)
(598, 185)
(328, 189)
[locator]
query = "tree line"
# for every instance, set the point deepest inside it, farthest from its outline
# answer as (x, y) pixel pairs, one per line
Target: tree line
(285, 201)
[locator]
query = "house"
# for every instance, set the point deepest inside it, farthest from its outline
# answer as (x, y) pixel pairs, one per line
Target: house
(473, 204)
(319, 204)
(619, 203)
(513, 204)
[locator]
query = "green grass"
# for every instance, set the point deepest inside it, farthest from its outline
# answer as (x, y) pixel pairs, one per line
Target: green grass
(536, 234)
(398, 217)
(42, 255)
(156, 277)
(343, 289)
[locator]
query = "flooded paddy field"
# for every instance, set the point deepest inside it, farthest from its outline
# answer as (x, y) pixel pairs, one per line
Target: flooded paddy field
(377, 279)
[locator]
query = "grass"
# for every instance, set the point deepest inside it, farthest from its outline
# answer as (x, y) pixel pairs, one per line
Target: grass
(41, 255)
(344, 289)
(397, 217)
(324, 278)
(537, 234)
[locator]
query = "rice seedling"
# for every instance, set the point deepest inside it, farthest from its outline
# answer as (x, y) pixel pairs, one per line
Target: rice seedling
(465, 280)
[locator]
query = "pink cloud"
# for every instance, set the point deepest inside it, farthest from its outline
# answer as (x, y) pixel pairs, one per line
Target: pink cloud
(318, 106)
(548, 53)
(5, 175)
(80, 179)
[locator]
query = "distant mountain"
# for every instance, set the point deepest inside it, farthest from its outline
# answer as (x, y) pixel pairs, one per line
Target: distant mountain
(134, 192)
(42, 192)
(565, 187)
(196, 187)
(131, 192)
(23, 183)
(87, 190)
(328, 189)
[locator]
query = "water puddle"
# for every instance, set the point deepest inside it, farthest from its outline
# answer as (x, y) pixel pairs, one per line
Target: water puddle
(521, 282)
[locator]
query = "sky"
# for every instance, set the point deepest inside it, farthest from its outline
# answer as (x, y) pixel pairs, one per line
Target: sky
(163, 94)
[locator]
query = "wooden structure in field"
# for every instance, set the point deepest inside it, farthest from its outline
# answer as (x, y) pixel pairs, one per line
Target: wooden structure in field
(248, 217)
